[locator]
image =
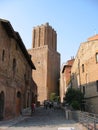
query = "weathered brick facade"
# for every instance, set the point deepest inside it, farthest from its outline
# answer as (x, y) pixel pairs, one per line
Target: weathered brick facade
(16, 84)
(46, 59)
(85, 72)
(65, 76)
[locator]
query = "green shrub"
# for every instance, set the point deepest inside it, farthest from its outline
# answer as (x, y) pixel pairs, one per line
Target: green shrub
(74, 98)
(75, 105)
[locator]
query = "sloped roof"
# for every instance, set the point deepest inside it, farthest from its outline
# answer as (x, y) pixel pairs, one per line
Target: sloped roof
(65, 67)
(69, 63)
(95, 37)
(11, 33)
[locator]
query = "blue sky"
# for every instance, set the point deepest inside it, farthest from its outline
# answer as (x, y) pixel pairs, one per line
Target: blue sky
(73, 20)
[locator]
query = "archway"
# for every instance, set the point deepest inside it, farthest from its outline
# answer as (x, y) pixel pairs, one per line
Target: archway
(1, 105)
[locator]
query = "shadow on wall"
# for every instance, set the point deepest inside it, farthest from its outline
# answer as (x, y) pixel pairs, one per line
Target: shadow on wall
(90, 91)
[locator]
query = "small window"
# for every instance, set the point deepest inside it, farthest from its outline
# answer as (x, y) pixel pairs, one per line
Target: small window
(82, 67)
(97, 85)
(3, 55)
(84, 89)
(96, 57)
(14, 64)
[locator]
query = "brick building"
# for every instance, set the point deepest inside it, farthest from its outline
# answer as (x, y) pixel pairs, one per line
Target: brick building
(65, 76)
(85, 72)
(16, 85)
(46, 59)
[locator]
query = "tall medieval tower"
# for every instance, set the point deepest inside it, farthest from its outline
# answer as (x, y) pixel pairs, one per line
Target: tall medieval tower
(46, 60)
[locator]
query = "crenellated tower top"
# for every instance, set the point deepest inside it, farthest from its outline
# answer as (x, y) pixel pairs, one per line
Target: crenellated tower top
(44, 35)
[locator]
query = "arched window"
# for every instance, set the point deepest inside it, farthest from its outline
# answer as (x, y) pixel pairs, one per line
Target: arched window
(18, 94)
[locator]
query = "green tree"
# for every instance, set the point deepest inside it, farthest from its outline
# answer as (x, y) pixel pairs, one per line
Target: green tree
(74, 98)
(54, 97)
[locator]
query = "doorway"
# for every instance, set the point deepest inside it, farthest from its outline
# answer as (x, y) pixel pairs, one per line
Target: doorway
(1, 105)
(18, 103)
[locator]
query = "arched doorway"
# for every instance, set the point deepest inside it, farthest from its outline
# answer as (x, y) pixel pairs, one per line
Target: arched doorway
(18, 103)
(1, 105)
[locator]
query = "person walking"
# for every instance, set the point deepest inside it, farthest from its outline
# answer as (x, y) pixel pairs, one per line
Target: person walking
(46, 104)
(32, 108)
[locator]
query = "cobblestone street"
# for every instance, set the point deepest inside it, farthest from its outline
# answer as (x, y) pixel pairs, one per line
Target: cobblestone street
(43, 120)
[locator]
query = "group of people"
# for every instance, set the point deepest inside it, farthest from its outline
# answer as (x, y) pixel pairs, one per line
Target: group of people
(47, 104)
(50, 104)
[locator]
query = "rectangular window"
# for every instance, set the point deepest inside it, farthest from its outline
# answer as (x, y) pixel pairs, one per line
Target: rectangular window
(16, 47)
(97, 85)
(82, 67)
(96, 57)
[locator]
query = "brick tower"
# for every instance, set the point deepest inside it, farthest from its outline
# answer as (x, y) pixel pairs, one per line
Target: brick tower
(46, 59)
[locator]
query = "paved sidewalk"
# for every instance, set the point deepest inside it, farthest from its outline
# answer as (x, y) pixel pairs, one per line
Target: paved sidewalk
(11, 122)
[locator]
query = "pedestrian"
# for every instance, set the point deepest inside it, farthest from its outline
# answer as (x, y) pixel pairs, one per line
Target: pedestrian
(50, 104)
(32, 108)
(55, 105)
(46, 104)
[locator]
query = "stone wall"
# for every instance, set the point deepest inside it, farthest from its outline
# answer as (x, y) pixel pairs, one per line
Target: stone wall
(46, 75)
(84, 72)
(15, 73)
